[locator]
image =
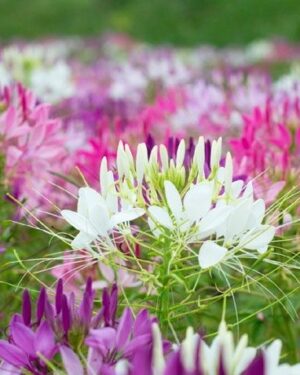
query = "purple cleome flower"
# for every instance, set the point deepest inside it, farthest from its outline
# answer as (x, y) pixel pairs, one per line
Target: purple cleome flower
(65, 337)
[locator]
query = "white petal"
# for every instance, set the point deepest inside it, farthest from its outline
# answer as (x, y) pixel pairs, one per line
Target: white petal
(122, 367)
(213, 220)
(221, 175)
(248, 193)
(158, 361)
(129, 154)
(173, 200)
(180, 154)
(124, 216)
(103, 175)
(88, 197)
(112, 202)
(141, 161)
(244, 360)
(188, 351)
(82, 241)
(161, 216)
(237, 220)
(79, 222)
(153, 155)
(199, 156)
(236, 188)
(211, 254)
(99, 219)
(257, 214)
(228, 172)
(123, 163)
(164, 157)
(197, 201)
(258, 238)
(153, 227)
(272, 355)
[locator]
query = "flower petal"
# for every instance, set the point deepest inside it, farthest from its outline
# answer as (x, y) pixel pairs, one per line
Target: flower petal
(173, 200)
(124, 328)
(125, 216)
(211, 254)
(71, 361)
(79, 222)
(88, 198)
(237, 220)
(197, 201)
(12, 354)
(45, 341)
(82, 241)
(258, 238)
(161, 216)
(213, 220)
(23, 337)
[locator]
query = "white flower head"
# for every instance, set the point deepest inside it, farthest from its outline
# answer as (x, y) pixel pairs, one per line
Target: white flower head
(96, 217)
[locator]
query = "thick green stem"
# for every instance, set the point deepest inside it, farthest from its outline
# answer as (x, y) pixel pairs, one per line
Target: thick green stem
(164, 278)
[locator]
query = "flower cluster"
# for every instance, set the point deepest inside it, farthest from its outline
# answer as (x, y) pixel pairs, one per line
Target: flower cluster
(171, 177)
(65, 336)
(32, 145)
(184, 194)
(40, 68)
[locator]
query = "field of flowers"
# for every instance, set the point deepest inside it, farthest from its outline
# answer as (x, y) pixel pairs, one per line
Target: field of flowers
(149, 208)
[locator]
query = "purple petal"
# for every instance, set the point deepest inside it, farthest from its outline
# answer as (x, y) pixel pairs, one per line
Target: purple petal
(45, 341)
(41, 305)
(66, 315)
(49, 312)
(136, 343)
(142, 323)
(8, 369)
(256, 367)
(124, 328)
(94, 361)
(71, 361)
(23, 337)
(110, 304)
(149, 143)
(12, 354)
(88, 287)
(86, 306)
(97, 319)
(26, 307)
(221, 370)
(59, 296)
(105, 304)
(113, 303)
(103, 339)
(142, 362)
(174, 365)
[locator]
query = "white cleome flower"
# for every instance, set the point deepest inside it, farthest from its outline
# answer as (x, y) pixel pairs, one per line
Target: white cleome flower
(96, 217)
(195, 210)
(236, 358)
(242, 229)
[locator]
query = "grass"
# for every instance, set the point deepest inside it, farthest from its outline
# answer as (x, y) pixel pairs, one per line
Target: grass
(183, 22)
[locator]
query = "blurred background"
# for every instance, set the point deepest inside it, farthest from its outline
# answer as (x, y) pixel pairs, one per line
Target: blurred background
(181, 22)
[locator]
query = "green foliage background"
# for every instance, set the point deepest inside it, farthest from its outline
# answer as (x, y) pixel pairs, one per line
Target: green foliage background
(184, 22)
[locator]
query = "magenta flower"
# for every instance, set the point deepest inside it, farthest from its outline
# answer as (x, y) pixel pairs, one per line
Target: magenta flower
(33, 146)
(267, 143)
(26, 348)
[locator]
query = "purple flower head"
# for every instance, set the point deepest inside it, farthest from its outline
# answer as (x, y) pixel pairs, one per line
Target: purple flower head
(129, 340)
(27, 349)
